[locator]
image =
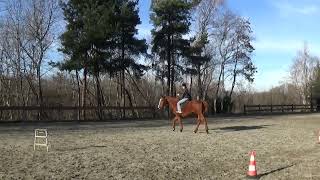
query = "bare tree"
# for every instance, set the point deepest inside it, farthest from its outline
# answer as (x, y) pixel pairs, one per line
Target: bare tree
(40, 18)
(206, 12)
(222, 39)
(241, 60)
(302, 73)
(26, 37)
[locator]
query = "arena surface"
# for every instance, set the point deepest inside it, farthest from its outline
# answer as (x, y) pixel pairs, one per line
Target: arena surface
(286, 148)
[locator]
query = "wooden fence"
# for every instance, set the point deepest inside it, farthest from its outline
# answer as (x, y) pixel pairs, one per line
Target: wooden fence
(72, 113)
(278, 108)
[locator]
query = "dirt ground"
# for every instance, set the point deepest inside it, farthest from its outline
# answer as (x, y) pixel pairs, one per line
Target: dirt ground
(286, 148)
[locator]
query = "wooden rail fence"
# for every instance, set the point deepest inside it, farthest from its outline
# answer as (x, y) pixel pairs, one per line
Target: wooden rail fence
(278, 108)
(71, 113)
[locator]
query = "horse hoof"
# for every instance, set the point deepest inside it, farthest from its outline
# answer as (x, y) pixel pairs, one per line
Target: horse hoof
(180, 130)
(173, 129)
(194, 131)
(207, 131)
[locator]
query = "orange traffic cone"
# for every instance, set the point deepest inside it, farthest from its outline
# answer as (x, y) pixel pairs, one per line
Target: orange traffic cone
(252, 173)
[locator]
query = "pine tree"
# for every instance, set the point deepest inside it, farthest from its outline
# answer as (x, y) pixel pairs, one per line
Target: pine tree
(100, 38)
(171, 20)
(86, 41)
(197, 58)
(127, 46)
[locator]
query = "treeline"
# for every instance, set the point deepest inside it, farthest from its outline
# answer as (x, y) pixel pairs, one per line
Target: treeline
(106, 62)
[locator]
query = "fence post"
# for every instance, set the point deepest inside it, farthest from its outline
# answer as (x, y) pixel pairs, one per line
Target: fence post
(244, 109)
(259, 108)
(271, 107)
(59, 112)
(154, 113)
(292, 107)
(282, 108)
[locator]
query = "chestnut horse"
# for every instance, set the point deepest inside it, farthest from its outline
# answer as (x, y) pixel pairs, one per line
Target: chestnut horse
(195, 106)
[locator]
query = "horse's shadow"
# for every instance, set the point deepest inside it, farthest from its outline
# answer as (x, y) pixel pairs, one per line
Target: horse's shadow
(203, 132)
(240, 128)
(275, 170)
(80, 148)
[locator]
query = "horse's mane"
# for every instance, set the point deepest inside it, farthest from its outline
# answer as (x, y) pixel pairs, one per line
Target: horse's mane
(171, 97)
(172, 101)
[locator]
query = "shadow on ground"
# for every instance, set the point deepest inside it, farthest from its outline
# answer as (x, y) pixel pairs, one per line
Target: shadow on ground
(240, 128)
(81, 148)
(27, 127)
(275, 170)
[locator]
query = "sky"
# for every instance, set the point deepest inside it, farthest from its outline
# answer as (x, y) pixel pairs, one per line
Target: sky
(280, 28)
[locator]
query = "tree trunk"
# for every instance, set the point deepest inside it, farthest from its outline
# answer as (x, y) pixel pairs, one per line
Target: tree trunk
(84, 92)
(206, 88)
(191, 83)
(123, 94)
(234, 78)
(98, 96)
(126, 91)
(169, 65)
(130, 102)
(219, 80)
(135, 101)
(40, 97)
(172, 85)
(79, 95)
(136, 85)
(223, 56)
(123, 73)
(200, 93)
(118, 90)
(162, 85)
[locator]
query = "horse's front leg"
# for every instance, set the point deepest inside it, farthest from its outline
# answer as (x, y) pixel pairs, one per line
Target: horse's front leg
(181, 125)
(174, 123)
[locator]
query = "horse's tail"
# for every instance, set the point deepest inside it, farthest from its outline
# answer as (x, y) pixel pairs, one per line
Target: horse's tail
(204, 107)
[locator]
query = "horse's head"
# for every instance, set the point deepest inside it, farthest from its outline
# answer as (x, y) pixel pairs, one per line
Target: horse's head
(162, 102)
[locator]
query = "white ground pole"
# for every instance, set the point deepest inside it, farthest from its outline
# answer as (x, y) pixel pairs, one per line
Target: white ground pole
(40, 134)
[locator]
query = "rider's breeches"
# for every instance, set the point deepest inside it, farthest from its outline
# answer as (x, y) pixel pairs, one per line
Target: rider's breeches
(179, 104)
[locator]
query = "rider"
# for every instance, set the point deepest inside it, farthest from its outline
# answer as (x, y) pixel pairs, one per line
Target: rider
(186, 96)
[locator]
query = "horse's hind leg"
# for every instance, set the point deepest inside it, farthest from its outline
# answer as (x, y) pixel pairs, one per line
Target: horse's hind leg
(206, 125)
(201, 118)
